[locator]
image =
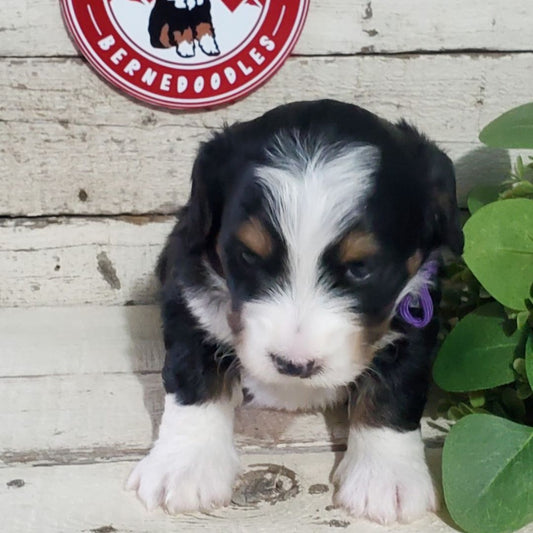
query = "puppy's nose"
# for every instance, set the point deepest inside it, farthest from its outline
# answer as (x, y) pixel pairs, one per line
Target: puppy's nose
(284, 366)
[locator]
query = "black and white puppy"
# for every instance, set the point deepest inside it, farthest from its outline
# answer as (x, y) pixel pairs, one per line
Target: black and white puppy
(304, 230)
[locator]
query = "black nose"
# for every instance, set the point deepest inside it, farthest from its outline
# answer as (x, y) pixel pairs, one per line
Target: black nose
(284, 366)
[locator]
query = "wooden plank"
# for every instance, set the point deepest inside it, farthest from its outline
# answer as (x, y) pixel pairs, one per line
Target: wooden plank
(91, 498)
(70, 144)
(34, 342)
(108, 417)
(69, 261)
(92, 391)
(61, 419)
(333, 27)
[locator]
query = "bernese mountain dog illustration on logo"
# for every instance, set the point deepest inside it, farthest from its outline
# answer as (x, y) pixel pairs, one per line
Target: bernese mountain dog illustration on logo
(183, 24)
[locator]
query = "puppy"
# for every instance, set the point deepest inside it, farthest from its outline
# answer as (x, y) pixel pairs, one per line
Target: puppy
(305, 231)
(181, 23)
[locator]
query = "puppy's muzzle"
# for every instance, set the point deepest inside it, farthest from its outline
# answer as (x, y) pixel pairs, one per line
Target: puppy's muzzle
(284, 366)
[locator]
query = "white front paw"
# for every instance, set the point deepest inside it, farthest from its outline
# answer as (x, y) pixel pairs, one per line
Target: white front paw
(208, 45)
(193, 463)
(185, 49)
(384, 476)
(181, 482)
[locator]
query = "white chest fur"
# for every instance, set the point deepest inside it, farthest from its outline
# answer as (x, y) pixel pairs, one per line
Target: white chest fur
(299, 396)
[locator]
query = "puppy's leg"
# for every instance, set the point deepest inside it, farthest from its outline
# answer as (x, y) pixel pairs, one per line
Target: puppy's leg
(206, 39)
(184, 42)
(193, 463)
(383, 475)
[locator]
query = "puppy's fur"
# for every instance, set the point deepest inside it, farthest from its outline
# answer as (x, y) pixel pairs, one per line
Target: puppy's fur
(304, 229)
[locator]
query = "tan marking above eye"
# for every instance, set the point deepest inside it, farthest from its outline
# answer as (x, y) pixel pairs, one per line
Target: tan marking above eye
(357, 245)
(255, 237)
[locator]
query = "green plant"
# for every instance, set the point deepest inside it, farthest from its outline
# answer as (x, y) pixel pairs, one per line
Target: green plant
(486, 361)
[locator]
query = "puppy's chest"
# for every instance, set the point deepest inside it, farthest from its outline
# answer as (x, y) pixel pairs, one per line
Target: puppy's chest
(291, 397)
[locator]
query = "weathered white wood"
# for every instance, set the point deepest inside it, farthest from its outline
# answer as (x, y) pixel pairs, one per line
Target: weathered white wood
(45, 341)
(68, 393)
(91, 498)
(70, 261)
(71, 144)
(88, 417)
(333, 27)
(67, 418)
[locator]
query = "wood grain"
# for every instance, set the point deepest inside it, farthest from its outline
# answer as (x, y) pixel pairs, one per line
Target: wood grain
(68, 261)
(333, 27)
(70, 144)
(91, 498)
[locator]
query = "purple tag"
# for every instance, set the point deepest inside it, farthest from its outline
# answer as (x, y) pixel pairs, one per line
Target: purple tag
(423, 300)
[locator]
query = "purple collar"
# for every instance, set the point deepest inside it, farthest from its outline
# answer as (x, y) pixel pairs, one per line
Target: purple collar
(423, 299)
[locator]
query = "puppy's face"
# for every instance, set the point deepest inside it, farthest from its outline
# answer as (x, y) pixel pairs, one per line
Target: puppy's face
(312, 287)
(317, 236)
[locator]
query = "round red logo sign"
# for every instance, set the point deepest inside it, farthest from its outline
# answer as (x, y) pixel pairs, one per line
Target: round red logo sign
(186, 53)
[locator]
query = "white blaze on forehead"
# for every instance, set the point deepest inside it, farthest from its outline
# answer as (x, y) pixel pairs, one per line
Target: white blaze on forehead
(314, 191)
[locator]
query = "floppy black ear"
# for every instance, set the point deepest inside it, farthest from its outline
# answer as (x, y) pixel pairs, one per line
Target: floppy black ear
(200, 218)
(435, 169)
(443, 212)
(196, 231)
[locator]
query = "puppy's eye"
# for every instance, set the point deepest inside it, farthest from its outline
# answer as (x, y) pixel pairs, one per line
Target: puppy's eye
(249, 258)
(358, 270)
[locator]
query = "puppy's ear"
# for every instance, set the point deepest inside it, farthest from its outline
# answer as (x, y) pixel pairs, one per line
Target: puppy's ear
(200, 218)
(436, 169)
(443, 212)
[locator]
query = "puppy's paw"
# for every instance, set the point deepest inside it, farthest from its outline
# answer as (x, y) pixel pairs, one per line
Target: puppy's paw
(209, 45)
(193, 464)
(183, 482)
(185, 49)
(384, 476)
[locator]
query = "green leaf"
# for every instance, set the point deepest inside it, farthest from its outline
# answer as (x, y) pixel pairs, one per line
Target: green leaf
(523, 391)
(513, 129)
(521, 319)
(529, 359)
(477, 398)
(519, 166)
(476, 354)
(481, 195)
(519, 365)
(486, 465)
(513, 405)
(521, 189)
(499, 249)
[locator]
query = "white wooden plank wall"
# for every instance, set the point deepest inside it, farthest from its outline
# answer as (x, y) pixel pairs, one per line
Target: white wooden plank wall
(76, 154)
(89, 180)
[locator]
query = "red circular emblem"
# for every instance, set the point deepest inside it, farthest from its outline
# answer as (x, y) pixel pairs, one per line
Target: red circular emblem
(186, 53)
